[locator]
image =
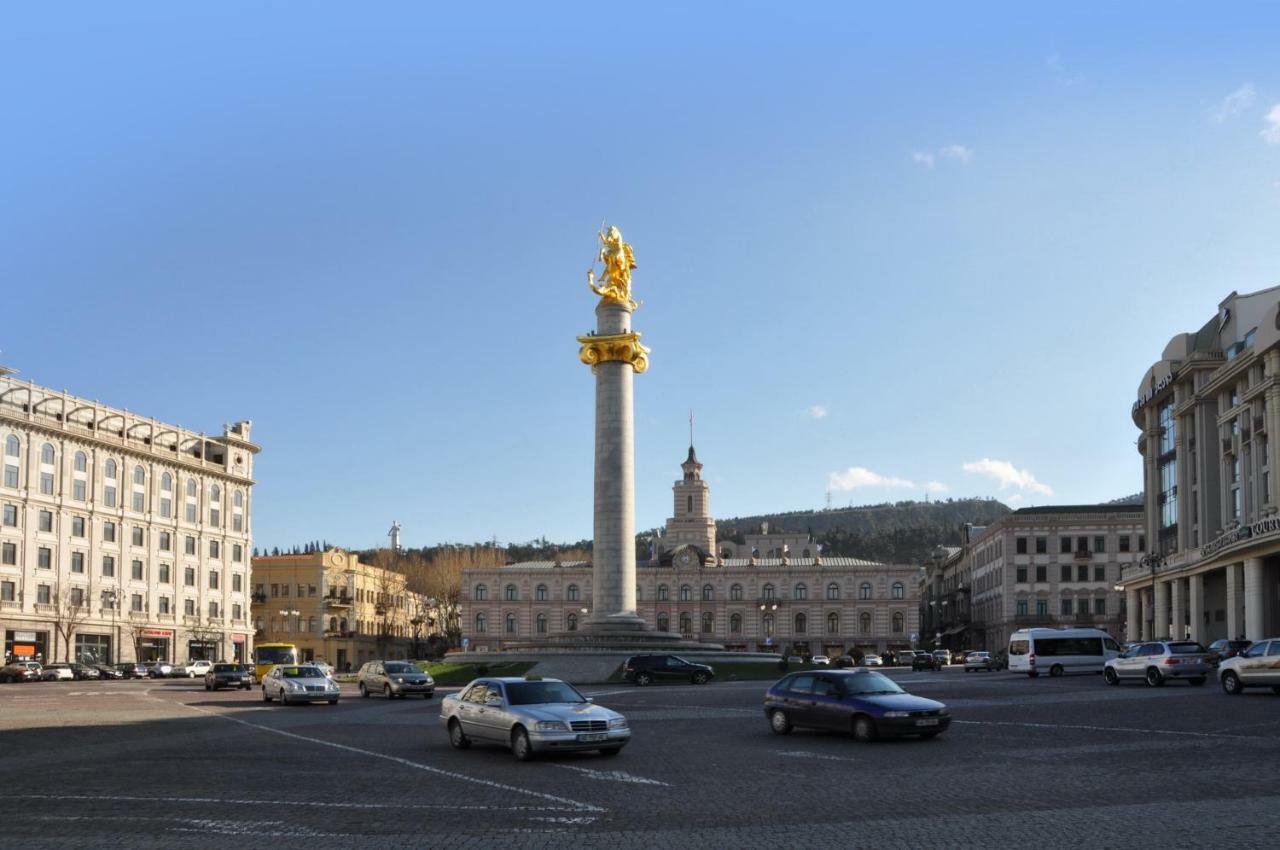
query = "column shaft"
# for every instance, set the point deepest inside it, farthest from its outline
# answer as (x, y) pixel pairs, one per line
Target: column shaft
(1160, 624)
(1133, 614)
(1235, 601)
(1254, 603)
(1195, 594)
(1178, 629)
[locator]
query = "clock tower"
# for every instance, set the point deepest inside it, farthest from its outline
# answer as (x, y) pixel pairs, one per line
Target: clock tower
(691, 524)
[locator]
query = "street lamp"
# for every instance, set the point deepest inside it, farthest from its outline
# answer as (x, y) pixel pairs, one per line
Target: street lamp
(111, 599)
(1155, 561)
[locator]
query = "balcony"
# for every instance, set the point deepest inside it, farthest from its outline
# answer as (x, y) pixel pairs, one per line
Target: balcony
(335, 601)
(1083, 555)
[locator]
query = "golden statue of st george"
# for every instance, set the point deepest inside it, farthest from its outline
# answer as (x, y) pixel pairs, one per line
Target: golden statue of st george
(618, 260)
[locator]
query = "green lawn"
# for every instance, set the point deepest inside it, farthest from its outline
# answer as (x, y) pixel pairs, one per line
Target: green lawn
(454, 673)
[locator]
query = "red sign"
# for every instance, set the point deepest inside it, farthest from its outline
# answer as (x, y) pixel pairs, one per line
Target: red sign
(238, 638)
(157, 633)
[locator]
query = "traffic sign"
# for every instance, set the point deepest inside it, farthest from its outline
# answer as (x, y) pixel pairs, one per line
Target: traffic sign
(466, 642)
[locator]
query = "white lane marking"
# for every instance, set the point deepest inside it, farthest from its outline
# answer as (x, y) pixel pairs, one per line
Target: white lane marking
(1126, 729)
(585, 807)
(613, 775)
(804, 755)
(273, 828)
(566, 820)
(319, 804)
(608, 693)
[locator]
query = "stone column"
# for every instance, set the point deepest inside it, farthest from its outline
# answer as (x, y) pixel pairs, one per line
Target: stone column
(614, 545)
(1178, 629)
(1235, 594)
(1133, 612)
(1195, 594)
(1144, 626)
(1254, 603)
(1160, 625)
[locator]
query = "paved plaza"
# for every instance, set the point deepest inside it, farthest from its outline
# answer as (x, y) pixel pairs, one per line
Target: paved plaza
(1050, 762)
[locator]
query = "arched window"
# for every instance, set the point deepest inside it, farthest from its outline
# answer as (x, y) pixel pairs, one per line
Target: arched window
(735, 593)
(139, 475)
(802, 624)
(511, 624)
(833, 623)
(481, 593)
(542, 624)
(215, 493)
(686, 624)
(767, 591)
(191, 487)
(897, 621)
(482, 623)
(109, 471)
(708, 622)
(11, 446)
(510, 593)
(708, 593)
(238, 499)
(767, 623)
(540, 593)
(864, 590)
(735, 624)
(664, 623)
(166, 483)
(81, 462)
(46, 453)
(897, 590)
(833, 591)
(864, 622)
(571, 622)
(662, 593)
(686, 593)
(726, 554)
(801, 592)
(571, 593)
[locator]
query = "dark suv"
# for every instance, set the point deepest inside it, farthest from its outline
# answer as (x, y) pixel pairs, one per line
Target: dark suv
(1221, 650)
(925, 661)
(646, 669)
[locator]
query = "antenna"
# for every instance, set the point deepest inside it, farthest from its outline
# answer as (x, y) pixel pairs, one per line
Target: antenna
(828, 498)
(691, 427)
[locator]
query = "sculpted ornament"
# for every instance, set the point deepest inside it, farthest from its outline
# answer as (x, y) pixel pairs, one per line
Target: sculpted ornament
(618, 260)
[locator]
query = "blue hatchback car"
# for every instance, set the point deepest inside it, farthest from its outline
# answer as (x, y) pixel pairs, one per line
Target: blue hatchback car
(869, 705)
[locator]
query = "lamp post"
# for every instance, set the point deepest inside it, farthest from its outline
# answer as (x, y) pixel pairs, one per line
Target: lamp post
(1155, 561)
(112, 599)
(770, 607)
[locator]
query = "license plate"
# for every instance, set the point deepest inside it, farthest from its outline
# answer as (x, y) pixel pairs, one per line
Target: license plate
(928, 721)
(594, 736)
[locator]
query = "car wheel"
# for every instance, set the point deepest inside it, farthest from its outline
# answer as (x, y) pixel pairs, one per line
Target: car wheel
(1109, 676)
(1197, 680)
(864, 728)
(520, 746)
(610, 751)
(779, 722)
(364, 692)
(1231, 683)
(699, 678)
(457, 738)
(1055, 671)
(386, 691)
(643, 679)
(1154, 679)
(265, 697)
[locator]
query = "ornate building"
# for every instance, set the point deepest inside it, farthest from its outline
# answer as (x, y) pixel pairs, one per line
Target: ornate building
(807, 603)
(121, 537)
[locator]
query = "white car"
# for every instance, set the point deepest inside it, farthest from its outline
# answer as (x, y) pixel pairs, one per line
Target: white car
(872, 660)
(1256, 667)
(57, 673)
(820, 659)
(198, 669)
(299, 683)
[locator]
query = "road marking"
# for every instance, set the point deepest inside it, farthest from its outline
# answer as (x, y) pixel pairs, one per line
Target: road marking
(801, 754)
(613, 775)
(586, 807)
(223, 801)
(609, 693)
(1125, 729)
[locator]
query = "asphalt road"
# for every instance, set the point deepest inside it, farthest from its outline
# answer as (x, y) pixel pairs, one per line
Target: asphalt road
(1047, 762)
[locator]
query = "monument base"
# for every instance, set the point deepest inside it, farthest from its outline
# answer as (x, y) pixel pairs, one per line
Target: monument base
(613, 636)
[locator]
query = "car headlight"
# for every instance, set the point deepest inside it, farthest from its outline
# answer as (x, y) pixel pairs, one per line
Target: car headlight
(551, 726)
(430, 681)
(293, 686)
(399, 680)
(618, 723)
(944, 711)
(896, 714)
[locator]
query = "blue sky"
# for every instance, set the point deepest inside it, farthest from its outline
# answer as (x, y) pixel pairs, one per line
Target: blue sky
(876, 246)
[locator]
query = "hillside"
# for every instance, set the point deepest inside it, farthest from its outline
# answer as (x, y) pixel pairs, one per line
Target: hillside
(901, 532)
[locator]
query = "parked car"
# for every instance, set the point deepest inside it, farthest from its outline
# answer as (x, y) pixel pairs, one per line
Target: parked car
(867, 704)
(106, 671)
(228, 676)
(925, 661)
(84, 671)
(979, 660)
(177, 670)
(197, 669)
(291, 683)
(531, 716)
(824, 660)
(943, 657)
(394, 679)
(1158, 661)
(20, 671)
(872, 660)
(646, 669)
(1222, 649)
(905, 657)
(843, 662)
(57, 673)
(1256, 667)
(132, 670)
(159, 670)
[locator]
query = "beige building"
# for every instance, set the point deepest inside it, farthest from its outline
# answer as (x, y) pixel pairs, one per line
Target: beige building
(802, 601)
(337, 609)
(1043, 567)
(121, 537)
(1206, 411)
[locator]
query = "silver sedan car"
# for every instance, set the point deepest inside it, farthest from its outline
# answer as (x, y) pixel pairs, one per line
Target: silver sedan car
(298, 683)
(1156, 662)
(531, 716)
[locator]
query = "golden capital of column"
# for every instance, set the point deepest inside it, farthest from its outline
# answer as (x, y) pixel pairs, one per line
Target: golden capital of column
(621, 348)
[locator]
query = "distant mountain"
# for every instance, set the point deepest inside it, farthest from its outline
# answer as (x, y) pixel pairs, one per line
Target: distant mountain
(1135, 499)
(901, 532)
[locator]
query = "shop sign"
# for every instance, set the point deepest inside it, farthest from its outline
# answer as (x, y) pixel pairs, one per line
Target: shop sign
(1155, 390)
(164, 633)
(1216, 545)
(238, 638)
(25, 636)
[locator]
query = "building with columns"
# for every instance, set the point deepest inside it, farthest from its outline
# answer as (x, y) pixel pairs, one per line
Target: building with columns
(122, 538)
(1206, 412)
(796, 599)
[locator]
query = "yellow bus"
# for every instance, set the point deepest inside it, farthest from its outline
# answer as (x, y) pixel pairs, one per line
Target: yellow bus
(267, 655)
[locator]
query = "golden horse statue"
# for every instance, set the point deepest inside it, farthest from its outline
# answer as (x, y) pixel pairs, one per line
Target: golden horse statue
(618, 260)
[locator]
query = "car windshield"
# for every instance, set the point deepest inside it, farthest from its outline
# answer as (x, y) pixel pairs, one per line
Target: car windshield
(861, 684)
(301, 673)
(228, 668)
(532, 693)
(1185, 648)
(400, 667)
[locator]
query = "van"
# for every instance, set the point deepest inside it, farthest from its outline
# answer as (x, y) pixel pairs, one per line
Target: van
(1060, 651)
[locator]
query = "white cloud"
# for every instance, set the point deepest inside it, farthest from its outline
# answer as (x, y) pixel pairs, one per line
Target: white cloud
(859, 476)
(1008, 475)
(1015, 499)
(956, 152)
(923, 158)
(936, 487)
(1235, 103)
(1271, 133)
(817, 411)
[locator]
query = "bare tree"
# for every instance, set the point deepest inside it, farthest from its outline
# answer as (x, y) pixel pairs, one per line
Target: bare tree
(206, 631)
(70, 609)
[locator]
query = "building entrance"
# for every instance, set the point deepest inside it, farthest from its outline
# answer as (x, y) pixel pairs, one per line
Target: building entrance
(25, 646)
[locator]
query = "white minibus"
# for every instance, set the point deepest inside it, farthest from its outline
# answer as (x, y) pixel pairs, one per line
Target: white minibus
(1060, 651)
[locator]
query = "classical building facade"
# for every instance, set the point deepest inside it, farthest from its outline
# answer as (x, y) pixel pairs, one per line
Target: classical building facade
(122, 538)
(1036, 567)
(338, 609)
(799, 602)
(1206, 411)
